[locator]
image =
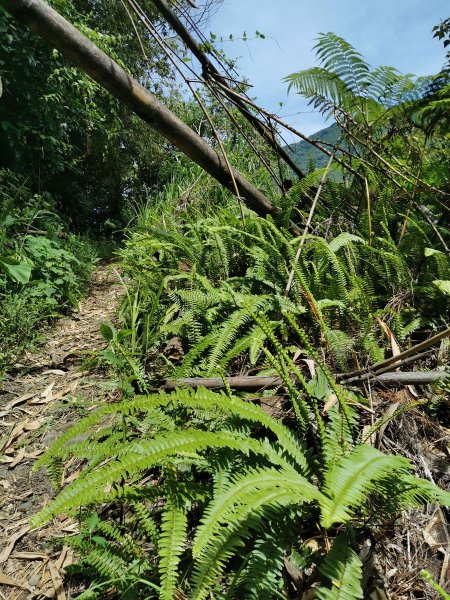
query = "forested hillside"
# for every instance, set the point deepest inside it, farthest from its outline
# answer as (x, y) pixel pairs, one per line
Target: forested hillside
(258, 334)
(307, 156)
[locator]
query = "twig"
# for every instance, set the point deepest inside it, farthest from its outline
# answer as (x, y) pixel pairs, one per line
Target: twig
(395, 359)
(308, 223)
(254, 383)
(402, 363)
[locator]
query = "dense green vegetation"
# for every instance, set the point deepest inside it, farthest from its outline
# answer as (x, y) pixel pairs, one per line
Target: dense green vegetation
(44, 269)
(198, 493)
(73, 163)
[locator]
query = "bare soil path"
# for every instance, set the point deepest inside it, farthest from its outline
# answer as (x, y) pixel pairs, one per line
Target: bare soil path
(38, 401)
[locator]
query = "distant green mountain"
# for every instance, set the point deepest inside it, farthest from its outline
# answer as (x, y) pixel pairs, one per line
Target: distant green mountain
(304, 154)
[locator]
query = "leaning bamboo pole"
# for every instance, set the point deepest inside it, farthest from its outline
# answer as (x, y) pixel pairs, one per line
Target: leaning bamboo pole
(73, 45)
(211, 73)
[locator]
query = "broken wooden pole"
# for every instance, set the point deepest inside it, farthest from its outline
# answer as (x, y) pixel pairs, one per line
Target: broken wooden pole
(255, 383)
(60, 34)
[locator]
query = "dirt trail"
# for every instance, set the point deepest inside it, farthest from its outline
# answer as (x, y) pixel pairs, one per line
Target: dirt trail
(47, 392)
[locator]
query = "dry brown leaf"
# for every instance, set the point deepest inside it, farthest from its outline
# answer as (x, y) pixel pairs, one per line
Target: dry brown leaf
(19, 456)
(47, 395)
(19, 400)
(33, 425)
(386, 418)
(70, 527)
(57, 581)
(311, 366)
(17, 430)
(5, 580)
(435, 533)
(4, 555)
(329, 403)
(394, 344)
(71, 477)
(368, 437)
(35, 454)
(29, 556)
(296, 574)
(65, 558)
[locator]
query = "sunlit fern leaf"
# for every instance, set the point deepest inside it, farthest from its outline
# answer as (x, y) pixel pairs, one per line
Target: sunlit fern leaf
(343, 569)
(353, 477)
(417, 492)
(192, 357)
(55, 469)
(170, 547)
(80, 428)
(107, 564)
(229, 330)
(257, 506)
(104, 483)
(342, 240)
(240, 490)
(203, 398)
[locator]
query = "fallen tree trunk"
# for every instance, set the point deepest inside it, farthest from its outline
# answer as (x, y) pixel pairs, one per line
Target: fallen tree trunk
(60, 34)
(254, 383)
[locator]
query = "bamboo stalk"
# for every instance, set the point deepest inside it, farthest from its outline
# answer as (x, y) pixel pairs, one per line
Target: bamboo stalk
(255, 383)
(389, 368)
(210, 73)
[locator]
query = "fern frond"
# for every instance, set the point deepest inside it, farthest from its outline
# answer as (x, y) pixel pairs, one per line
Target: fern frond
(343, 568)
(255, 509)
(352, 478)
(170, 547)
(241, 489)
(96, 486)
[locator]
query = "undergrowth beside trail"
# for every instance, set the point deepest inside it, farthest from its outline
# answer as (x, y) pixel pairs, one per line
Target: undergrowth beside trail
(44, 270)
(198, 494)
(285, 493)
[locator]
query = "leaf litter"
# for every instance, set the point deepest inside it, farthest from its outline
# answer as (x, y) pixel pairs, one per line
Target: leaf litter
(35, 409)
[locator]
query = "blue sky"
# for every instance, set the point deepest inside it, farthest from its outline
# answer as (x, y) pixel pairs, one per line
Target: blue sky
(386, 32)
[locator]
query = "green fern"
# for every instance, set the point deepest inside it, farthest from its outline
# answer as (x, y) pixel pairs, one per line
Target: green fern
(171, 545)
(343, 569)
